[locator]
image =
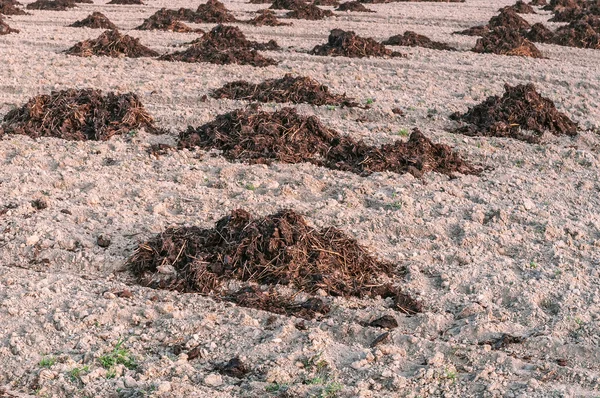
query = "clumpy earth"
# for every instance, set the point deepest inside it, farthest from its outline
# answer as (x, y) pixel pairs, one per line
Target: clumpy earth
(494, 274)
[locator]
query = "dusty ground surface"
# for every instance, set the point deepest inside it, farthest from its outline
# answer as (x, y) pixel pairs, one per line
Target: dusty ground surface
(514, 251)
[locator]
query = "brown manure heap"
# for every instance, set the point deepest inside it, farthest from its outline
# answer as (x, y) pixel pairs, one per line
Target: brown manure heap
(354, 6)
(95, 20)
(505, 41)
(259, 137)
(5, 29)
(277, 249)
(309, 12)
(538, 3)
(507, 18)
(287, 89)
(54, 5)
(574, 12)
(348, 44)
(518, 112)
(111, 43)
(9, 7)
(78, 115)
(329, 3)
(583, 33)
(164, 19)
(521, 7)
(214, 12)
(225, 45)
(412, 39)
(126, 2)
(267, 18)
(182, 14)
(287, 4)
(540, 34)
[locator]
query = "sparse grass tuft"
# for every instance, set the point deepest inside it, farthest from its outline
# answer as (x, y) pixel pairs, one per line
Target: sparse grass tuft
(47, 362)
(118, 356)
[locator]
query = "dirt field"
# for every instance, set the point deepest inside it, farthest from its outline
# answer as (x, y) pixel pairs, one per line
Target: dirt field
(506, 264)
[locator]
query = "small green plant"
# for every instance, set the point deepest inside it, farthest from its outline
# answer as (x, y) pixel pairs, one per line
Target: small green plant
(331, 108)
(403, 132)
(331, 390)
(111, 373)
(47, 362)
(76, 373)
(451, 374)
(132, 133)
(533, 264)
(250, 187)
(275, 387)
(370, 101)
(316, 380)
(118, 356)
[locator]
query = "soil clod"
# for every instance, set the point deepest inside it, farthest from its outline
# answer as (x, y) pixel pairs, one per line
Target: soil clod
(95, 20)
(407, 304)
(78, 115)
(506, 41)
(385, 322)
(382, 338)
(261, 137)
(520, 110)
(412, 39)
(39, 204)
(163, 19)
(286, 89)
(503, 341)
(225, 45)
(111, 43)
(267, 18)
(234, 368)
(349, 44)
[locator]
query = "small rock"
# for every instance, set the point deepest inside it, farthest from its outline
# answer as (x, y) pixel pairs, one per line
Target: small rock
(528, 204)
(103, 241)
(213, 380)
(163, 387)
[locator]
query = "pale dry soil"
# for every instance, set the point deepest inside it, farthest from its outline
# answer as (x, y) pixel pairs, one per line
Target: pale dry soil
(513, 251)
